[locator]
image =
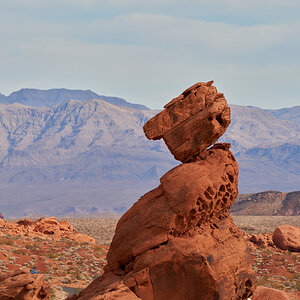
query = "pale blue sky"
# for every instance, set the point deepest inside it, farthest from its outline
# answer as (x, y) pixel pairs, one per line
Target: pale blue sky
(150, 51)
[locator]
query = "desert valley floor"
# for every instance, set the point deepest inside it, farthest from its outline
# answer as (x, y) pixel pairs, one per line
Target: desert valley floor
(70, 266)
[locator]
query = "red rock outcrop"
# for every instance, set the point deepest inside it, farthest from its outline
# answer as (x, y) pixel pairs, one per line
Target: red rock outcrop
(262, 240)
(179, 241)
(287, 237)
(22, 285)
(45, 226)
(192, 121)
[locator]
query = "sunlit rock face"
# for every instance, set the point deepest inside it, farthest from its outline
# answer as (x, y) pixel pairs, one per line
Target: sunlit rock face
(192, 121)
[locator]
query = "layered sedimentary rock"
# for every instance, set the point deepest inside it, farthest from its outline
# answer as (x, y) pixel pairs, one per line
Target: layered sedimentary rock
(179, 241)
(22, 285)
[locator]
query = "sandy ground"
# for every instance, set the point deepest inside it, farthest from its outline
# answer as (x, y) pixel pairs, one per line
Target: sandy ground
(264, 224)
(102, 229)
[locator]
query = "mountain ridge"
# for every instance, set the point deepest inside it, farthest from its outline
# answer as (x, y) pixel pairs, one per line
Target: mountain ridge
(51, 97)
(92, 156)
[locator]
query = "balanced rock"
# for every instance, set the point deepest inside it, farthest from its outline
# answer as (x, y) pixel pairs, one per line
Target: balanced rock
(179, 241)
(192, 121)
(22, 285)
(287, 237)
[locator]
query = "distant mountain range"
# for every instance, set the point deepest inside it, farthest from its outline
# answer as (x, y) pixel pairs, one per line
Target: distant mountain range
(60, 156)
(49, 98)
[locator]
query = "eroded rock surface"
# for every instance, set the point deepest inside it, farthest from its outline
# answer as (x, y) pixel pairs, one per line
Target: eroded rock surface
(189, 195)
(22, 285)
(179, 241)
(262, 240)
(192, 121)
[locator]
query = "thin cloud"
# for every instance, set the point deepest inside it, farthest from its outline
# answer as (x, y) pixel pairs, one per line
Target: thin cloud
(150, 52)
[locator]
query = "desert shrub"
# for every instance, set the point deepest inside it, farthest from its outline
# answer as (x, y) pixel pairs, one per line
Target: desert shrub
(19, 251)
(276, 285)
(51, 255)
(297, 286)
(6, 241)
(99, 249)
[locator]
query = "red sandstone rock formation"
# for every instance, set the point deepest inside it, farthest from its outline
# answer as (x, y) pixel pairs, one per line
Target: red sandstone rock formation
(179, 241)
(46, 226)
(180, 205)
(287, 237)
(21, 285)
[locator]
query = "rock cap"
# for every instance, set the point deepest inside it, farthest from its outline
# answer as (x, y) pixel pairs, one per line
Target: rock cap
(191, 122)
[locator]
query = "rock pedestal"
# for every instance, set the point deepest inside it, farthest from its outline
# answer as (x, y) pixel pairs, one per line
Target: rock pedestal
(179, 241)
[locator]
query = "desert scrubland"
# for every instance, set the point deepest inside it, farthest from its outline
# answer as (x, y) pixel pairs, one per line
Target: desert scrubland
(102, 229)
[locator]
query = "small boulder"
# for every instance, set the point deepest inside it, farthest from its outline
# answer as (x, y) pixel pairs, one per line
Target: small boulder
(287, 237)
(264, 293)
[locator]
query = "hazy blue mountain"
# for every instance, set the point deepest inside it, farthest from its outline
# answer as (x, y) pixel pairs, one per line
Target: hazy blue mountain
(290, 114)
(2, 98)
(49, 98)
(75, 156)
(252, 126)
(269, 168)
(92, 156)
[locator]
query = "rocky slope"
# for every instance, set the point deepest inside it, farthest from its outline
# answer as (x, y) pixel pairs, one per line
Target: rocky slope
(84, 150)
(63, 259)
(270, 203)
